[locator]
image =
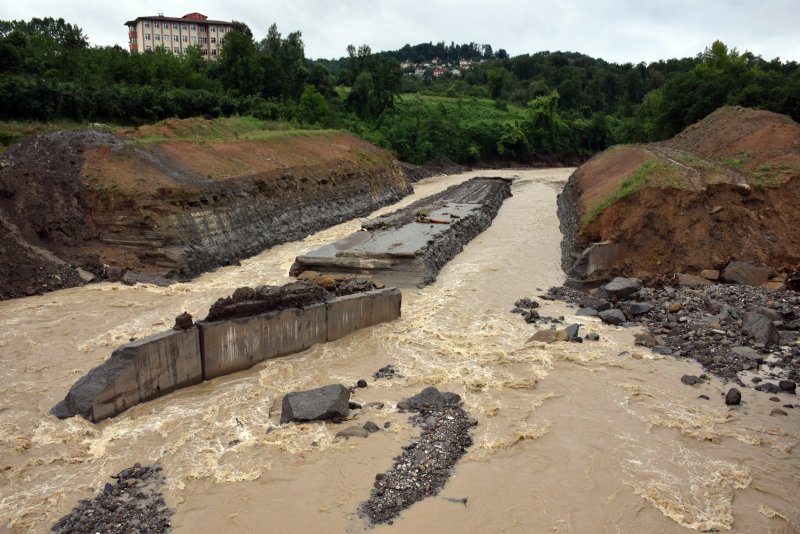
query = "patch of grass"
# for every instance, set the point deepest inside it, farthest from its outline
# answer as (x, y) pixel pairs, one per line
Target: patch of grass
(630, 185)
(221, 129)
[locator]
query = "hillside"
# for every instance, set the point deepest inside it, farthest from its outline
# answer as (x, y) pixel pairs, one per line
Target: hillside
(176, 198)
(726, 188)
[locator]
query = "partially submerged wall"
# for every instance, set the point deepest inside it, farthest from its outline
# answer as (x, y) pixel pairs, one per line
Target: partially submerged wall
(154, 366)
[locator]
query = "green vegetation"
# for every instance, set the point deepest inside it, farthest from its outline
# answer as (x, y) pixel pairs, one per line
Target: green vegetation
(541, 107)
(630, 184)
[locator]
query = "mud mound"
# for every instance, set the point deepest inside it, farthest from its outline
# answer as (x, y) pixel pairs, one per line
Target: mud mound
(725, 189)
(176, 199)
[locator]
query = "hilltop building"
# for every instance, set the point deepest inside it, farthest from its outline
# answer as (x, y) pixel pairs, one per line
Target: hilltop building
(177, 34)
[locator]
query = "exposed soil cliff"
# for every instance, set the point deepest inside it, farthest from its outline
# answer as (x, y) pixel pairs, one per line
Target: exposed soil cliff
(158, 201)
(725, 189)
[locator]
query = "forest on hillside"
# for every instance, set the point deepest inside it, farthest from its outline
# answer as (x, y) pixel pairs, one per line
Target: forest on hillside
(539, 107)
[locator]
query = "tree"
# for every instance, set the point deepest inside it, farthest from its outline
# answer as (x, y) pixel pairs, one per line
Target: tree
(312, 108)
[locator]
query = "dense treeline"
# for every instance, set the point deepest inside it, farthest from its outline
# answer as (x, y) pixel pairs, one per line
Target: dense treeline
(547, 106)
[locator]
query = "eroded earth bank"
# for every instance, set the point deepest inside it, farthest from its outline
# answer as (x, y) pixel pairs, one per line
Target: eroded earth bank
(599, 436)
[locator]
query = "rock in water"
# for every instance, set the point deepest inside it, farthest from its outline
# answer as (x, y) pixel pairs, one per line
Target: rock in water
(430, 398)
(691, 380)
(587, 312)
(572, 332)
(620, 288)
(327, 402)
(645, 340)
(353, 432)
(787, 385)
(613, 316)
(183, 321)
(733, 397)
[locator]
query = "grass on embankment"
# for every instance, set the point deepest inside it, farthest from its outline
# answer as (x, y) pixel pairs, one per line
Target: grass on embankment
(228, 129)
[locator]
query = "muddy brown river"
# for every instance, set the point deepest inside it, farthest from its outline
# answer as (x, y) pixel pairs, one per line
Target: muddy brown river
(571, 437)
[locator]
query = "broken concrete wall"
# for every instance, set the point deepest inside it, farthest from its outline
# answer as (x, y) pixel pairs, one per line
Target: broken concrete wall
(238, 344)
(136, 372)
(156, 365)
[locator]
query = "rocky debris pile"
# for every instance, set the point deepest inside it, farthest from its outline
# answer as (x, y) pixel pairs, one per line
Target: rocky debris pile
(133, 504)
(424, 466)
(248, 301)
(339, 284)
(388, 372)
(326, 403)
(527, 308)
(728, 328)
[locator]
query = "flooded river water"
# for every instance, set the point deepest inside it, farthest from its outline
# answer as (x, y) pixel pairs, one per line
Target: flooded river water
(571, 437)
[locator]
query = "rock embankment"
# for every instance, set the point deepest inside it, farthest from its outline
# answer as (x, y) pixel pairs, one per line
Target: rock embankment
(737, 332)
(409, 247)
(425, 465)
(726, 189)
(173, 207)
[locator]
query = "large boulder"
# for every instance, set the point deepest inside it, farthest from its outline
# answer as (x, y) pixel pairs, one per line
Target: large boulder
(744, 273)
(613, 316)
(760, 329)
(327, 402)
(620, 288)
(430, 398)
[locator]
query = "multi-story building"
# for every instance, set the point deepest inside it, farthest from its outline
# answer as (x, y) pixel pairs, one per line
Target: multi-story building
(177, 34)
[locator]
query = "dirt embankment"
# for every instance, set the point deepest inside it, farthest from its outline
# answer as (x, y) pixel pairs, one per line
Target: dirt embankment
(725, 189)
(157, 201)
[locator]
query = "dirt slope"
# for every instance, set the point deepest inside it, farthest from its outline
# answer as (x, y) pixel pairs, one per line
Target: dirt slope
(177, 198)
(724, 189)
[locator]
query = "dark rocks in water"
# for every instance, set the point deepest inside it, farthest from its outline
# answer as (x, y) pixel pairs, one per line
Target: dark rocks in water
(133, 504)
(760, 329)
(371, 427)
(769, 387)
(388, 372)
(691, 380)
(593, 336)
(787, 385)
(526, 304)
(545, 336)
(733, 397)
(744, 273)
(587, 312)
(183, 322)
(777, 411)
(572, 332)
(704, 397)
(430, 398)
(620, 288)
(354, 405)
(361, 383)
(425, 464)
(327, 402)
(613, 316)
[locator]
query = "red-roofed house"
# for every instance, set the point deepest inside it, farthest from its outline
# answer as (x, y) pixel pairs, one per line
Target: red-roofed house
(177, 34)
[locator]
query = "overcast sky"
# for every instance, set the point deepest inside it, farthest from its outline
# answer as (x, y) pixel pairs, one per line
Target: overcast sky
(615, 30)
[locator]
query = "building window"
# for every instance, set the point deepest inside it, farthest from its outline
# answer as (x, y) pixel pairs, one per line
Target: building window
(131, 28)
(184, 26)
(194, 40)
(148, 48)
(213, 40)
(175, 26)
(193, 27)
(202, 29)
(176, 38)
(147, 24)
(156, 24)
(213, 51)
(177, 49)
(185, 39)
(204, 40)
(133, 40)
(205, 51)
(222, 29)
(147, 37)
(157, 37)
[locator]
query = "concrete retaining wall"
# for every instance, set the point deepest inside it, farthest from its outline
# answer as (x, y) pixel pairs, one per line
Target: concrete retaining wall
(156, 365)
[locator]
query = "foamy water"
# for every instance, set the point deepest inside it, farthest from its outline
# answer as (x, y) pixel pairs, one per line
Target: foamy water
(571, 437)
